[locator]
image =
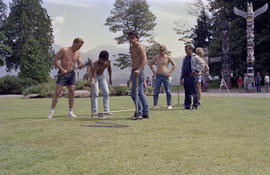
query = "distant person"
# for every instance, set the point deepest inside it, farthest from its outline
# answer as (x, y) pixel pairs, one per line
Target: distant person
(153, 82)
(162, 75)
(191, 66)
(98, 80)
(67, 56)
(199, 51)
(128, 82)
(148, 84)
(246, 82)
(249, 84)
(258, 80)
(240, 84)
(139, 60)
(266, 82)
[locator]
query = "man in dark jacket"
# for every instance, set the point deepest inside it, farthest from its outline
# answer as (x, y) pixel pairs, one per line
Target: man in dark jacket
(192, 64)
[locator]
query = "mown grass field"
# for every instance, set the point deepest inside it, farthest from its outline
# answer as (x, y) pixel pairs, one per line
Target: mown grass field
(225, 136)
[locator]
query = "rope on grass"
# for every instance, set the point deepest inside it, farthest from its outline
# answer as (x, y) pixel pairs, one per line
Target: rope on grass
(106, 125)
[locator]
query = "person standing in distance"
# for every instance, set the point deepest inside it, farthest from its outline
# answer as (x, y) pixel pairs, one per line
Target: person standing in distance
(163, 75)
(191, 66)
(138, 61)
(200, 53)
(67, 56)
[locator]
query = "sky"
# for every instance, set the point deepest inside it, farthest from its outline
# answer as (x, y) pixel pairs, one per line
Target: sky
(86, 18)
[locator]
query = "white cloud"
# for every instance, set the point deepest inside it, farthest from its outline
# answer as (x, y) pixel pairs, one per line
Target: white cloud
(78, 3)
(59, 20)
(172, 0)
(57, 24)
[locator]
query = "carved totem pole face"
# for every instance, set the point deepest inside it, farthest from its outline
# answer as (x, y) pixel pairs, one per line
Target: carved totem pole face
(250, 15)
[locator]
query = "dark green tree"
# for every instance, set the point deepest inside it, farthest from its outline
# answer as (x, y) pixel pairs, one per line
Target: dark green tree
(3, 11)
(201, 34)
(33, 54)
(128, 15)
(28, 20)
(185, 33)
(122, 60)
(4, 49)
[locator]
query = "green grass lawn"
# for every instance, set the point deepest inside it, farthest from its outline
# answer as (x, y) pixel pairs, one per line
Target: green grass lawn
(229, 136)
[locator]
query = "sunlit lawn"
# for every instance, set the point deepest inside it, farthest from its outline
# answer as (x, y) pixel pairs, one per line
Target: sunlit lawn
(224, 136)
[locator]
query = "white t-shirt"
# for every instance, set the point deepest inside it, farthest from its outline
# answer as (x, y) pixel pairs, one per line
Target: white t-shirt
(266, 79)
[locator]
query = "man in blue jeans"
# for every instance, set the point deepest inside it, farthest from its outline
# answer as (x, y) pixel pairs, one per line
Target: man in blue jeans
(191, 66)
(162, 75)
(98, 80)
(138, 59)
(258, 80)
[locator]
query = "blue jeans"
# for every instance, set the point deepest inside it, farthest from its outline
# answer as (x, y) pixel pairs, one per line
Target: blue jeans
(190, 90)
(165, 80)
(101, 82)
(258, 86)
(142, 101)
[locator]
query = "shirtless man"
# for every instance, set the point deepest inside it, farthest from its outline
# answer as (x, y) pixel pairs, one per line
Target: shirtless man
(98, 79)
(138, 59)
(67, 56)
(162, 75)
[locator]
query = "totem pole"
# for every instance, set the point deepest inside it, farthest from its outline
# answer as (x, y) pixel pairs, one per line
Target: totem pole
(226, 66)
(250, 16)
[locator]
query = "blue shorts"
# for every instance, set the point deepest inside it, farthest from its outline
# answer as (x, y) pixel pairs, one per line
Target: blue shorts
(66, 79)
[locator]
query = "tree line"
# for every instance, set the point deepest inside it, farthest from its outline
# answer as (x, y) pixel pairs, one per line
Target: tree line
(26, 34)
(26, 39)
(208, 33)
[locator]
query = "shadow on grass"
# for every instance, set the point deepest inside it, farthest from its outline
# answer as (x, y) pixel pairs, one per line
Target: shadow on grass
(111, 118)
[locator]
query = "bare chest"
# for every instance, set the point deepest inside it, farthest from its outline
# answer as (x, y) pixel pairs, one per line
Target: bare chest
(162, 61)
(70, 57)
(101, 67)
(134, 53)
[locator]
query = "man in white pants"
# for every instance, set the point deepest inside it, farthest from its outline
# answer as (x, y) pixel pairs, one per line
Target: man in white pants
(98, 80)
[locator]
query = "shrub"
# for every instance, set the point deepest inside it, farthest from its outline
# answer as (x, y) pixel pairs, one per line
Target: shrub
(82, 85)
(112, 90)
(44, 90)
(14, 85)
(214, 83)
(120, 90)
